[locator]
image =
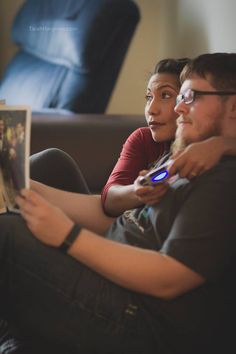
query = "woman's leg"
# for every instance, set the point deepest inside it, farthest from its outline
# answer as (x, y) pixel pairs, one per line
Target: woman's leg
(57, 169)
(54, 299)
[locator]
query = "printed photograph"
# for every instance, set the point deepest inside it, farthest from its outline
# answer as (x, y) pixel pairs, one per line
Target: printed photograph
(14, 151)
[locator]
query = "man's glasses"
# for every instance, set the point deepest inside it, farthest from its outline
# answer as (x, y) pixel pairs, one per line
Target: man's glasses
(190, 95)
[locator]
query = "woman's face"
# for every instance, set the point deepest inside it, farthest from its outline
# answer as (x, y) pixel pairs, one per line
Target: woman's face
(161, 95)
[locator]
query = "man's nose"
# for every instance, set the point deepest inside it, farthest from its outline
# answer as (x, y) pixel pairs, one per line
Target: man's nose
(180, 107)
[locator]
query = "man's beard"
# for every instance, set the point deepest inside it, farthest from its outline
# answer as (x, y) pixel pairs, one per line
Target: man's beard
(180, 143)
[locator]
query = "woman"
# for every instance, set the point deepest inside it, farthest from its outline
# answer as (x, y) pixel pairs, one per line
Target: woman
(141, 149)
(146, 145)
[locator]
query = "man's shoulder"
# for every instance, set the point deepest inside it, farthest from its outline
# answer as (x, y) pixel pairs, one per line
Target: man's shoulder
(225, 168)
(220, 179)
(230, 160)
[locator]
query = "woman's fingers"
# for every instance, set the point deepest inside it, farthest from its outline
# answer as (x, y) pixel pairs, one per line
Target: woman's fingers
(152, 194)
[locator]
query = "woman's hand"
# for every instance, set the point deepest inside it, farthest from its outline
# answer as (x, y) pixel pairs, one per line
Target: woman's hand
(149, 195)
(47, 222)
(197, 158)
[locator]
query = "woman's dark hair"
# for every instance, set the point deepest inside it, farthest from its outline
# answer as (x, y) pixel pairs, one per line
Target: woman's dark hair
(171, 66)
(218, 68)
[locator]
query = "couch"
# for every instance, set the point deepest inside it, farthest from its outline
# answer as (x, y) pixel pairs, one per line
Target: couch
(69, 53)
(93, 140)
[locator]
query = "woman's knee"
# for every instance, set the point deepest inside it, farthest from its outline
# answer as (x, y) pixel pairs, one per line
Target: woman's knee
(58, 169)
(49, 156)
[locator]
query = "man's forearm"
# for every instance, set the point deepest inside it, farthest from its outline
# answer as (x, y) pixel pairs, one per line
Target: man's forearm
(137, 269)
(82, 208)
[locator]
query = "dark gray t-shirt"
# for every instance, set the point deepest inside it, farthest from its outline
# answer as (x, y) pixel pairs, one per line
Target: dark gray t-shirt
(195, 223)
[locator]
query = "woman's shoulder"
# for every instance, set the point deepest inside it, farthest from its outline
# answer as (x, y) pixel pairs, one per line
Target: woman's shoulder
(141, 140)
(143, 134)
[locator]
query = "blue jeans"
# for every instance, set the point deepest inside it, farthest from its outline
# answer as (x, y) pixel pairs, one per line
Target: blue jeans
(53, 298)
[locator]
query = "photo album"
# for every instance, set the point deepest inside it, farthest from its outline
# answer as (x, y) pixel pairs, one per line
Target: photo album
(15, 124)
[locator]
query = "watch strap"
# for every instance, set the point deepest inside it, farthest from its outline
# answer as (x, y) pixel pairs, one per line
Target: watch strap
(70, 238)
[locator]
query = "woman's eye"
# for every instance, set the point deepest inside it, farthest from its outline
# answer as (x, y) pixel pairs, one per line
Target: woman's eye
(165, 95)
(148, 97)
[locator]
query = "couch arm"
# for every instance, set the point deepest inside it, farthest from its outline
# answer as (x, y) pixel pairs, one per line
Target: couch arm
(93, 140)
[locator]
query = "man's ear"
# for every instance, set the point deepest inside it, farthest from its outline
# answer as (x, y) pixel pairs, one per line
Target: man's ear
(229, 121)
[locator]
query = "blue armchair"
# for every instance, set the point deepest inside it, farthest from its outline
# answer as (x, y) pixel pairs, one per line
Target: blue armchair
(70, 53)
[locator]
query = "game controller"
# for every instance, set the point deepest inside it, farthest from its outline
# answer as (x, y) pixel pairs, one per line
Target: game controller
(156, 175)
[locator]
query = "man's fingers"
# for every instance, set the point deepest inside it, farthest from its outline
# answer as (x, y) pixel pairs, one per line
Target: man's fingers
(26, 206)
(30, 196)
(31, 203)
(33, 197)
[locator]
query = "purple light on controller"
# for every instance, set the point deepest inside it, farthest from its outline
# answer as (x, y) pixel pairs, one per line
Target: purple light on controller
(160, 176)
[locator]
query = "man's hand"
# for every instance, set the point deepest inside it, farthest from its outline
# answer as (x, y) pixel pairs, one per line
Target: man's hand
(197, 158)
(47, 222)
(149, 195)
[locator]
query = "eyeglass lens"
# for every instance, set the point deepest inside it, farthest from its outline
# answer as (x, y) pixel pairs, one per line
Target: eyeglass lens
(187, 97)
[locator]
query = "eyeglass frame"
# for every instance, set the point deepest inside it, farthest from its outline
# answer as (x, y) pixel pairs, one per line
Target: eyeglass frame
(195, 93)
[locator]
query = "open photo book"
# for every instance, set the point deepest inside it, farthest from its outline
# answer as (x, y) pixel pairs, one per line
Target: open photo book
(15, 123)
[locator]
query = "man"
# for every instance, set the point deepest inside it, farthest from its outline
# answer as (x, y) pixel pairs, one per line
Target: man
(158, 281)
